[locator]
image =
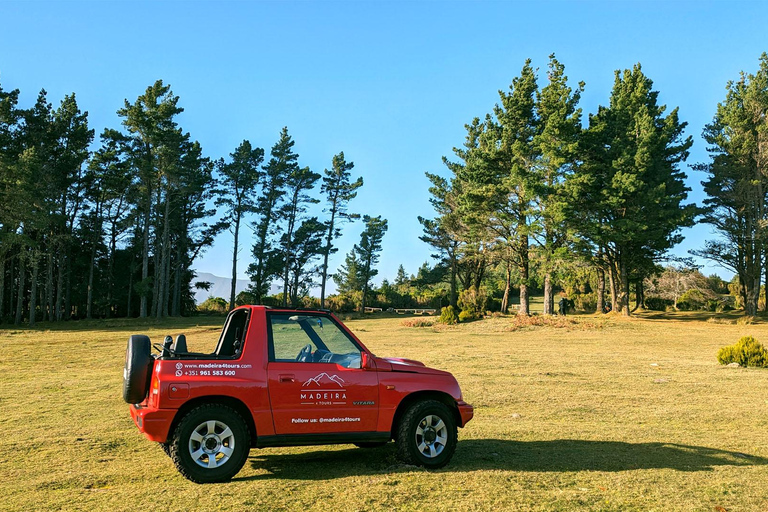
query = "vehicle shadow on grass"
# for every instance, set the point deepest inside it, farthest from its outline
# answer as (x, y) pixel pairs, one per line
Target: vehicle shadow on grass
(560, 455)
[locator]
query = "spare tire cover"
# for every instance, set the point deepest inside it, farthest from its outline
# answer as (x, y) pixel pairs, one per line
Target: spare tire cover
(138, 369)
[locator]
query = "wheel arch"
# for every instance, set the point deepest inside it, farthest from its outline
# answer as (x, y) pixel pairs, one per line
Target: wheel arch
(419, 396)
(228, 401)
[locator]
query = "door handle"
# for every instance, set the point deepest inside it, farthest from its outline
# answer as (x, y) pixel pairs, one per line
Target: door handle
(287, 378)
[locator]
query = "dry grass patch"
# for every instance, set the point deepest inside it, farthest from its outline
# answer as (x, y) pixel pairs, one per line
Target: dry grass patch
(418, 322)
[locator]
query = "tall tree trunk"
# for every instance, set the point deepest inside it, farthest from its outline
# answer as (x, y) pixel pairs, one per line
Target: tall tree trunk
(22, 284)
(549, 295)
(233, 287)
(33, 293)
(130, 291)
(111, 271)
(162, 310)
(145, 257)
(326, 254)
(639, 296)
(157, 259)
(765, 289)
(89, 299)
(49, 288)
(2, 286)
(12, 269)
(507, 286)
(525, 309)
(612, 282)
(600, 290)
(177, 282)
(624, 292)
(454, 299)
(68, 291)
(60, 285)
(287, 255)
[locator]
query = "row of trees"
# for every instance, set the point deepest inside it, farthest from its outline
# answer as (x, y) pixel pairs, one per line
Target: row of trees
(115, 231)
(531, 183)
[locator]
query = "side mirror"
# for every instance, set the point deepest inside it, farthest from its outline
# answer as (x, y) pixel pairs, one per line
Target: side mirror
(367, 361)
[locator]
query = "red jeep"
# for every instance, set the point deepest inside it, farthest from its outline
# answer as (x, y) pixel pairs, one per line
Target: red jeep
(286, 378)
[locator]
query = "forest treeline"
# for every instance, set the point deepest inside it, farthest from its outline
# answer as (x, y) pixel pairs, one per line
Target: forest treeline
(115, 230)
(536, 198)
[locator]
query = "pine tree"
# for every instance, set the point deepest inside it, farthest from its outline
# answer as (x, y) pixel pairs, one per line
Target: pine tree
(152, 134)
(339, 191)
(737, 182)
(368, 252)
(556, 140)
(237, 182)
(267, 264)
(626, 197)
(298, 181)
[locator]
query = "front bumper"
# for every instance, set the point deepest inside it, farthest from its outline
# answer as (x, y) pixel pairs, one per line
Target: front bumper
(466, 411)
(153, 423)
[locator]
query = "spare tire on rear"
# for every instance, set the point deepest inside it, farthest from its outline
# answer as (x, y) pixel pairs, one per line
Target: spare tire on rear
(138, 369)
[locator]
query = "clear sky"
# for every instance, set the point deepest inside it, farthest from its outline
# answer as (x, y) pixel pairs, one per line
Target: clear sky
(389, 83)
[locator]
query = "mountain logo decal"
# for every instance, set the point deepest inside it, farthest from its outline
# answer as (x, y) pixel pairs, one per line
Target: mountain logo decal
(323, 379)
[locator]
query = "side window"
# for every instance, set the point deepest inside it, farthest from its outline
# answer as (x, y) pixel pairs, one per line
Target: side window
(311, 339)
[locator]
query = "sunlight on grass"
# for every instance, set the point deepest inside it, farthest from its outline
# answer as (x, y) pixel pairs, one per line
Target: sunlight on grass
(588, 413)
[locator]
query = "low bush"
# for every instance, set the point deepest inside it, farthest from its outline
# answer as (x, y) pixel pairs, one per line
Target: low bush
(418, 322)
(468, 316)
(747, 352)
(213, 306)
(657, 303)
(473, 302)
(448, 316)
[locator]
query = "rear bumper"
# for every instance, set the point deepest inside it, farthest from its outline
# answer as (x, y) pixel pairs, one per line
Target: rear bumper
(153, 423)
(466, 411)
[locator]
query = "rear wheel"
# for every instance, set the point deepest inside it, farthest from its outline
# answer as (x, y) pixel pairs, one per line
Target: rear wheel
(211, 444)
(427, 435)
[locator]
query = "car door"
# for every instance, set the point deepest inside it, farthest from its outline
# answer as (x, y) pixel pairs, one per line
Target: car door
(316, 383)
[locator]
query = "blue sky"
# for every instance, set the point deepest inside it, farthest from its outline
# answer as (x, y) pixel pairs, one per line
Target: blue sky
(389, 83)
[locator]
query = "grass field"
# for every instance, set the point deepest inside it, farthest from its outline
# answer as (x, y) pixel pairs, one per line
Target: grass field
(601, 414)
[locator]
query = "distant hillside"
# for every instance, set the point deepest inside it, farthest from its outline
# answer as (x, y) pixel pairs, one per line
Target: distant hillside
(220, 287)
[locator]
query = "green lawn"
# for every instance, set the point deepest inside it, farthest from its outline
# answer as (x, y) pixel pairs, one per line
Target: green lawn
(602, 414)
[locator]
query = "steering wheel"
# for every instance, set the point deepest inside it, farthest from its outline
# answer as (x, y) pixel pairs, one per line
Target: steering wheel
(304, 354)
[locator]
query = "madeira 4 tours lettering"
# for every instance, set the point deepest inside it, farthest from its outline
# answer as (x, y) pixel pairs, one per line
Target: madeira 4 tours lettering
(332, 392)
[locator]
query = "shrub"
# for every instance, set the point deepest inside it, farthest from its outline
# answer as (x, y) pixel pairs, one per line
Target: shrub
(691, 300)
(213, 306)
(418, 322)
(468, 316)
(747, 352)
(473, 302)
(448, 316)
(657, 303)
(586, 301)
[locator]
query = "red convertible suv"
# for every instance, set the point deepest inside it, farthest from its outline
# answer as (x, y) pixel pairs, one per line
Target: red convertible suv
(286, 378)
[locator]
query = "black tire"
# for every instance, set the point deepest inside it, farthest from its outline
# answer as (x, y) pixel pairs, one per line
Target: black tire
(137, 370)
(166, 448)
(374, 444)
(183, 447)
(431, 425)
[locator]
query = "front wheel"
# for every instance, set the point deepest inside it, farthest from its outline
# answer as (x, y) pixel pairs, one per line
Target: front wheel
(427, 435)
(211, 444)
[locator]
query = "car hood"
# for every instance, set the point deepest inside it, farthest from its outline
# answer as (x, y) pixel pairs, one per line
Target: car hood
(399, 364)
